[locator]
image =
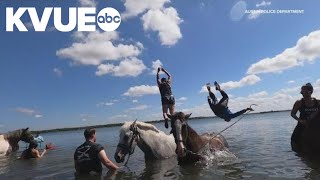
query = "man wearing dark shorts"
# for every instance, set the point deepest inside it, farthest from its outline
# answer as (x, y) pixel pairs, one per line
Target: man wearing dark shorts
(167, 98)
(89, 156)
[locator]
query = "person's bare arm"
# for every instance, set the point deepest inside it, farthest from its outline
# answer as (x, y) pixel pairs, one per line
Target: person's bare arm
(168, 74)
(158, 77)
(38, 155)
(294, 111)
(106, 161)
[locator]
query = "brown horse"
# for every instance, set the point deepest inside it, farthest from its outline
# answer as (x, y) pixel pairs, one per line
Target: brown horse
(309, 141)
(9, 141)
(189, 142)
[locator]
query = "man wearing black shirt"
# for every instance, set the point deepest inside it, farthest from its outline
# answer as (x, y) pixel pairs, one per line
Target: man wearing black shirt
(89, 156)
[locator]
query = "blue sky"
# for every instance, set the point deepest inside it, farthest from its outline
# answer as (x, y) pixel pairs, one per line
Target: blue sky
(56, 79)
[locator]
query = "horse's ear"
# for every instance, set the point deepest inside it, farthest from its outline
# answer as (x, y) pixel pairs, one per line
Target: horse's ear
(27, 129)
(133, 124)
(187, 115)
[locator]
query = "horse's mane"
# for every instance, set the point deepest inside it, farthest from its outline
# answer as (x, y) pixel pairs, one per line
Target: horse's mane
(13, 134)
(141, 125)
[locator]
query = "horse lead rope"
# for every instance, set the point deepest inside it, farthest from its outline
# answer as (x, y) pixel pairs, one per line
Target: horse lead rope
(227, 127)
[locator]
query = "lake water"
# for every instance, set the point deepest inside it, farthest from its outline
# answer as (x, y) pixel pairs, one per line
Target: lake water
(260, 144)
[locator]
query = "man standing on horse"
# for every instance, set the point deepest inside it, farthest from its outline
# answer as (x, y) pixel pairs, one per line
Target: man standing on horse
(167, 98)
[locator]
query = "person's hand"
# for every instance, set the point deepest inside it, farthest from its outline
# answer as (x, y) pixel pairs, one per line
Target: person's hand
(162, 69)
(159, 69)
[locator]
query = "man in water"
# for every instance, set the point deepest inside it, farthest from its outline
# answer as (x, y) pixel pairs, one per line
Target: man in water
(39, 139)
(32, 151)
(89, 156)
(167, 98)
(220, 108)
(308, 107)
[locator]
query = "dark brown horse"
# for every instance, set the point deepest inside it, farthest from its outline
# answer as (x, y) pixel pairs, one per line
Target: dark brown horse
(9, 141)
(309, 141)
(189, 142)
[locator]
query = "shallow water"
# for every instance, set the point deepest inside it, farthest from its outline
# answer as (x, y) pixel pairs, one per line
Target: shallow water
(259, 146)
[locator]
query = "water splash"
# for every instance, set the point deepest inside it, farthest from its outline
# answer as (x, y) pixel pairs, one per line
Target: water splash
(218, 157)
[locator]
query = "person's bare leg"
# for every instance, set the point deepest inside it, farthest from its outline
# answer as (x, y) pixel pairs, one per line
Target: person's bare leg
(165, 109)
(172, 109)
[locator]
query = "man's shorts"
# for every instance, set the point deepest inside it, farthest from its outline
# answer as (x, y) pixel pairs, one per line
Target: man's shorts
(168, 100)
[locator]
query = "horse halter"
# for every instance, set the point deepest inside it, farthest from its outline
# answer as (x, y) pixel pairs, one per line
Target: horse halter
(126, 147)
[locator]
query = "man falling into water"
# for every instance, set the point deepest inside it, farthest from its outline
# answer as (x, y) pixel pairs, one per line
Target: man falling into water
(220, 108)
(167, 98)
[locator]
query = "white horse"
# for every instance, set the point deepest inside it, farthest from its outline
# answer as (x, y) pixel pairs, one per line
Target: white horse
(9, 141)
(154, 143)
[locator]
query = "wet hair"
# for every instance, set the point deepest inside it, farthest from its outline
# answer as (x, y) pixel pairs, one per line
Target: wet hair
(33, 145)
(89, 132)
(308, 87)
(163, 80)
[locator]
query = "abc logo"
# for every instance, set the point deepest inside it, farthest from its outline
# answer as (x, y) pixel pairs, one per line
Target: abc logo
(109, 19)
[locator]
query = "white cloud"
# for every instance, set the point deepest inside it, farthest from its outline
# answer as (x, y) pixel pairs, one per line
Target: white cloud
(136, 7)
(38, 116)
(155, 65)
(138, 108)
(258, 94)
(102, 104)
(247, 80)
(289, 90)
(182, 99)
(141, 90)
(291, 82)
(263, 4)
(58, 72)
(166, 22)
(317, 83)
(254, 15)
(86, 117)
(135, 101)
(95, 48)
(88, 3)
(127, 67)
(306, 49)
(238, 10)
(29, 112)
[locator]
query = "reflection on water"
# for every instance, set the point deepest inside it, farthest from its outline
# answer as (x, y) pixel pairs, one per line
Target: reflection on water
(259, 149)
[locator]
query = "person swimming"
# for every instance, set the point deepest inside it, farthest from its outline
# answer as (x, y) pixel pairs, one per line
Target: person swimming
(220, 108)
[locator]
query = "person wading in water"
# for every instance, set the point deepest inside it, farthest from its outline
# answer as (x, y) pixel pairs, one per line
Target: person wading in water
(307, 107)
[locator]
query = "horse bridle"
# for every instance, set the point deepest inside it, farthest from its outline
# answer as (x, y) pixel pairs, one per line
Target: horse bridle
(126, 147)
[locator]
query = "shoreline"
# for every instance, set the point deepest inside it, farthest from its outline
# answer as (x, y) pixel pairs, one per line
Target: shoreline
(120, 124)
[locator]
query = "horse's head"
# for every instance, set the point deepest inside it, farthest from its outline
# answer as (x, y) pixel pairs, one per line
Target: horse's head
(178, 120)
(127, 141)
(26, 135)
